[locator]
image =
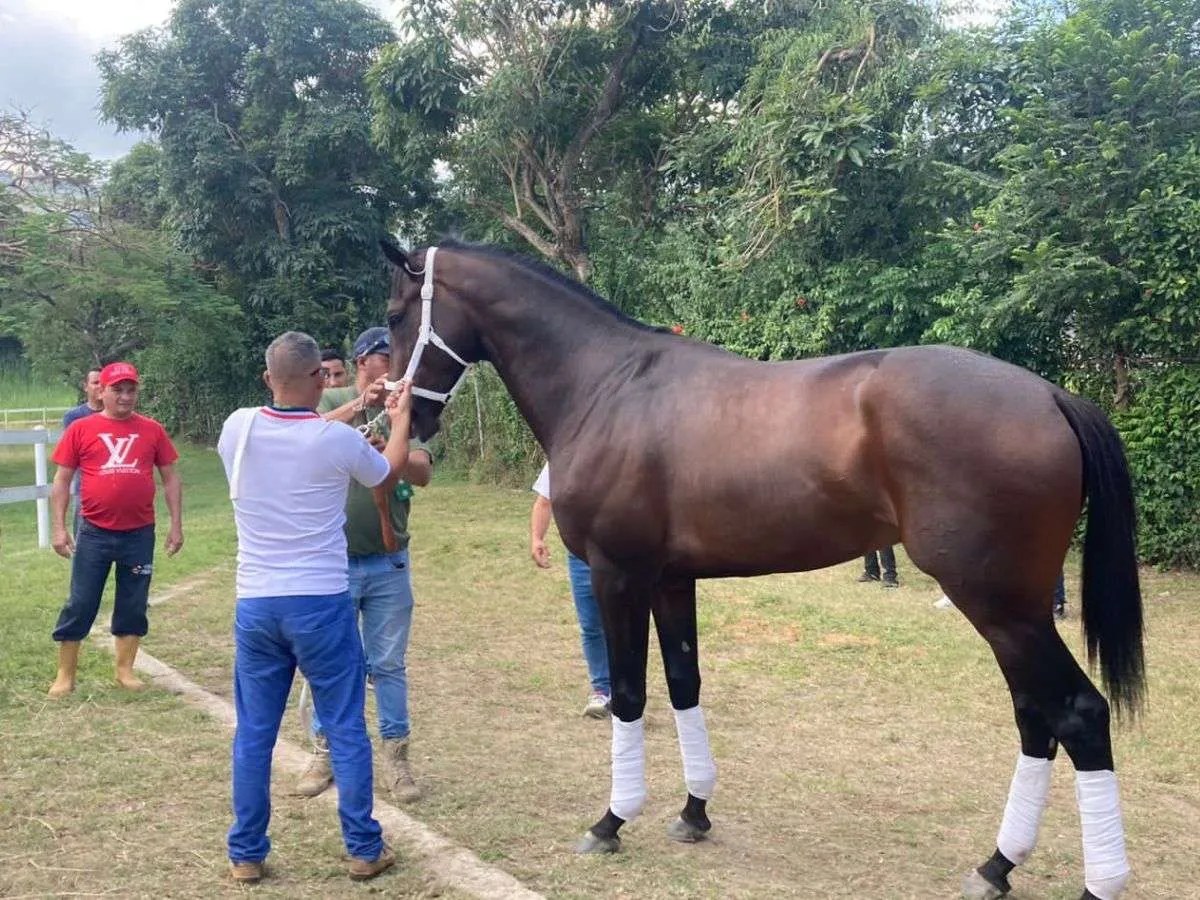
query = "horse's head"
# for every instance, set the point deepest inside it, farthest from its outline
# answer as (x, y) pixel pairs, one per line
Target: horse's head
(443, 343)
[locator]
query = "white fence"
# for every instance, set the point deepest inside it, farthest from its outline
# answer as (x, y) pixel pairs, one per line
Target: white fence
(39, 491)
(32, 416)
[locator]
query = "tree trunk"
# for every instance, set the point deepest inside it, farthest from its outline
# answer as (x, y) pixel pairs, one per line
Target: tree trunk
(1121, 376)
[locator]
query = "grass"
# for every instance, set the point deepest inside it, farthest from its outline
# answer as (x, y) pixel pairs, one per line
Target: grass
(865, 740)
(19, 389)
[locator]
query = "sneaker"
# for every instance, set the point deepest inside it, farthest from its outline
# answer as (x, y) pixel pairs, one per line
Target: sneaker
(943, 602)
(891, 583)
(319, 774)
(247, 872)
(370, 682)
(366, 869)
(1060, 612)
(598, 706)
(396, 773)
(866, 577)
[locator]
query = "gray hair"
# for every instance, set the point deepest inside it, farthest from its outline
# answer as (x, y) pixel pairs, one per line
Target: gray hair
(291, 355)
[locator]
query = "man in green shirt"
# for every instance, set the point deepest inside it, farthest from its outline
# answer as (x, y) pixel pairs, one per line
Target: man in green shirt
(380, 582)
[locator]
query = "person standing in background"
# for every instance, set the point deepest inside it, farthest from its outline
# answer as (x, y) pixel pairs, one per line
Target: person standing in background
(587, 611)
(92, 403)
(116, 450)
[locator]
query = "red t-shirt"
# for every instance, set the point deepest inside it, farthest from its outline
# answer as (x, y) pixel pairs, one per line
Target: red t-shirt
(116, 458)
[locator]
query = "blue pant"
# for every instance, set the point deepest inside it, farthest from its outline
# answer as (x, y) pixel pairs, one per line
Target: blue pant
(381, 588)
(591, 626)
(96, 551)
(273, 636)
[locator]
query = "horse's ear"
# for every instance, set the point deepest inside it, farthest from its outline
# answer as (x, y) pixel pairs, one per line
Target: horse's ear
(394, 254)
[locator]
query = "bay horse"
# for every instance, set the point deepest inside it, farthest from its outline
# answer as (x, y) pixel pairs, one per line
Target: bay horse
(674, 460)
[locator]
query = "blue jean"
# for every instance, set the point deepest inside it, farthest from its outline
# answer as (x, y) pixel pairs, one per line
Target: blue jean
(591, 626)
(97, 550)
(273, 636)
(381, 588)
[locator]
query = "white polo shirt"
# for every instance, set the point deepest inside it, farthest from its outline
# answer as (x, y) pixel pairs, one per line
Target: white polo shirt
(290, 498)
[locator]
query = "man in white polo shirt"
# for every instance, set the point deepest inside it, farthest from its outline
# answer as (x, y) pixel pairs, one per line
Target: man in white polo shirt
(288, 472)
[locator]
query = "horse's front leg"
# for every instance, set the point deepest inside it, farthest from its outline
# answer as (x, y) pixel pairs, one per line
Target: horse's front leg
(624, 602)
(674, 610)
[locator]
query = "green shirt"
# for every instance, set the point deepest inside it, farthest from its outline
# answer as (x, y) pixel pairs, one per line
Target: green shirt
(363, 536)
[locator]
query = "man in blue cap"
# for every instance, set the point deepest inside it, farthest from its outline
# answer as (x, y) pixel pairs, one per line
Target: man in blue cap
(380, 581)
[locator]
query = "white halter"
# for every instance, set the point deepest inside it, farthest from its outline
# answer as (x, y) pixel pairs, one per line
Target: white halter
(427, 336)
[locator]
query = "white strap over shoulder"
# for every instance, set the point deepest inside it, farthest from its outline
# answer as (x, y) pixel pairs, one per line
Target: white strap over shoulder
(250, 414)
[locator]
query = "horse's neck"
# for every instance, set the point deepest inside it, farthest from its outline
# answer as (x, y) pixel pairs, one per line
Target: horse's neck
(555, 352)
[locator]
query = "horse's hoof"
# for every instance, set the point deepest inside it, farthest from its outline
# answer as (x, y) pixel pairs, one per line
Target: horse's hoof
(590, 843)
(976, 887)
(685, 832)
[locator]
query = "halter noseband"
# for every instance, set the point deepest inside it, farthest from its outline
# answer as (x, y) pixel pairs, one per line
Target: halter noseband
(427, 336)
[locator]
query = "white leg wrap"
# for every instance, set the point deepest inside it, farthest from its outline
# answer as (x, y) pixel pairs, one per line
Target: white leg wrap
(699, 770)
(1023, 812)
(628, 768)
(1105, 866)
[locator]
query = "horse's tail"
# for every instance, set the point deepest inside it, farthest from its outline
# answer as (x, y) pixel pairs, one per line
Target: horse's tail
(1112, 598)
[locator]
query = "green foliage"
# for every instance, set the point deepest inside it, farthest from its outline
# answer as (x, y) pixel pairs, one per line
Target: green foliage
(1086, 251)
(267, 165)
(484, 436)
(542, 111)
(133, 192)
(1162, 440)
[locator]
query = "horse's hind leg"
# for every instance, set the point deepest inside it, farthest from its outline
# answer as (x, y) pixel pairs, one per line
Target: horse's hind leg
(1055, 702)
(674, 610)
(1026, 802)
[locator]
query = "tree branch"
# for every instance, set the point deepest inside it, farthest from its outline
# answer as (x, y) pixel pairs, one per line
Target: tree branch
(610, 99)
(547, 248)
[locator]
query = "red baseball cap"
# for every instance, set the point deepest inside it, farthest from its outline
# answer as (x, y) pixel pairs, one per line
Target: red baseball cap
(118, 371)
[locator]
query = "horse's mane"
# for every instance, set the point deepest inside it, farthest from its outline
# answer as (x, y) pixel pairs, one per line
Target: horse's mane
(549, 273)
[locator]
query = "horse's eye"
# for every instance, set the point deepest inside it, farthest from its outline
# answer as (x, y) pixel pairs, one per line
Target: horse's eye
(395, 319)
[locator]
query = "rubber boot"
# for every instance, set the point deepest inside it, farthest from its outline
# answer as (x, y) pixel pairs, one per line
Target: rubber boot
(127, 649)
(68, 663)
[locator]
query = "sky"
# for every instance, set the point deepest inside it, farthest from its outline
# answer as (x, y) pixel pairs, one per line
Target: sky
(47, 65)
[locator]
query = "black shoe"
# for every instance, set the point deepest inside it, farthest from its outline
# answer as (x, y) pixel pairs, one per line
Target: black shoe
(867, 576)
(1060, 612)
(891, 583)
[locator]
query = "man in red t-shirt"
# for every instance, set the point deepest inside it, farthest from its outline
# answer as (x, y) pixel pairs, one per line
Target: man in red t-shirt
(116, 451)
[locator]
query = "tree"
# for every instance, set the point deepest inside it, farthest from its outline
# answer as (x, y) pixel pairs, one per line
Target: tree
(78, 286)
(1088, 249)
(268, 171)
(536, 108)
(133, 191)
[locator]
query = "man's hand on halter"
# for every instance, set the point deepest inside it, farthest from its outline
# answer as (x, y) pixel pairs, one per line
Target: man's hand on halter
(399, 405)
(376, 392)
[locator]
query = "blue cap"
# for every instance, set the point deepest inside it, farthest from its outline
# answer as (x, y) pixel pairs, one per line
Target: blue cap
(373, 340)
